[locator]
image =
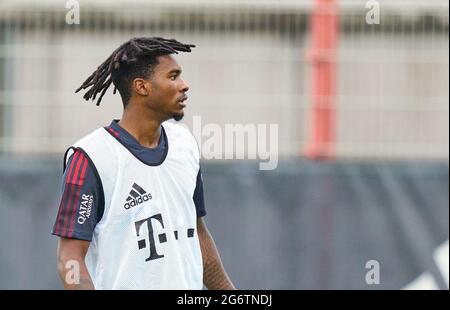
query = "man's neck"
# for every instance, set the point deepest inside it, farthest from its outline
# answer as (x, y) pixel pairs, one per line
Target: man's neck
(142, 126)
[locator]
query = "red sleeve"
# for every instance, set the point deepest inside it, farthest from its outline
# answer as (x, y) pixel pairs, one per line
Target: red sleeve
(81, 201)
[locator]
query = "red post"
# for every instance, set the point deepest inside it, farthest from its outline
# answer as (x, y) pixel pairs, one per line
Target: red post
(322, 56)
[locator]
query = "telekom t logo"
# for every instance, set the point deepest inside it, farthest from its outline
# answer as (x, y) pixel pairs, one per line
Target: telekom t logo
(162, 238)
(151, 237)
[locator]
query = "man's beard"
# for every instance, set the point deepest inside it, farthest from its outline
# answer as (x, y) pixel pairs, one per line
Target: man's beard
(178, 116)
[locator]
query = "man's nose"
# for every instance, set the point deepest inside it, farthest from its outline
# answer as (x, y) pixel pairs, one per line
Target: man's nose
(185, 86)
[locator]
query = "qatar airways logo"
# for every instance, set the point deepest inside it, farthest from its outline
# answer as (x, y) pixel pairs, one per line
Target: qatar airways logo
(84, 211)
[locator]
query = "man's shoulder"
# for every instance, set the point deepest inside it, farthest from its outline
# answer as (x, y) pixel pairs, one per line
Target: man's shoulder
(92, 137)
(181, 135)
(95, 145)
(176, 129)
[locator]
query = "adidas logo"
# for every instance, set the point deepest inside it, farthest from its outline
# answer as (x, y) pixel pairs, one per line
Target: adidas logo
(137, 196)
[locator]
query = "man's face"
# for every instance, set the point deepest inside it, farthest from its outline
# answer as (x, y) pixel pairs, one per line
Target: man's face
(168, 93)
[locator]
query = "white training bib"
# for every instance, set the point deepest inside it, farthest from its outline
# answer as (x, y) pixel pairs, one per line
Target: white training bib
(147, 236)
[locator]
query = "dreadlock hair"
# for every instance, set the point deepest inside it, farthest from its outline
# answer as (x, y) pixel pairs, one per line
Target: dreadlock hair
(134, 58)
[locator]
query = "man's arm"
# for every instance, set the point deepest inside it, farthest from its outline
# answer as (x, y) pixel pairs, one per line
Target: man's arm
(71, 266)
(214, 274)
(80, 184)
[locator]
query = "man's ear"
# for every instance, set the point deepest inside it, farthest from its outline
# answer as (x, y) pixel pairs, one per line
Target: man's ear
(142, 87)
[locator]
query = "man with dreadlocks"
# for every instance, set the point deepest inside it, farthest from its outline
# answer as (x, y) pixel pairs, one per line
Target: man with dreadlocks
(131, 212)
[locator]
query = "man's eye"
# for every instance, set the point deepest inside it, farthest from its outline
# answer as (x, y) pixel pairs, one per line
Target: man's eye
(173, 77)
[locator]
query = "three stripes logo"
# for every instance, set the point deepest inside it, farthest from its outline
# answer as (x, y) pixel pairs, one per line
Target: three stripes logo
(137, 196)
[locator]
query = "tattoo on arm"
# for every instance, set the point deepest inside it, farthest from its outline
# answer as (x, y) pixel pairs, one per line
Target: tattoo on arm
(85, 283)
(72, 268)
(214, 274)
